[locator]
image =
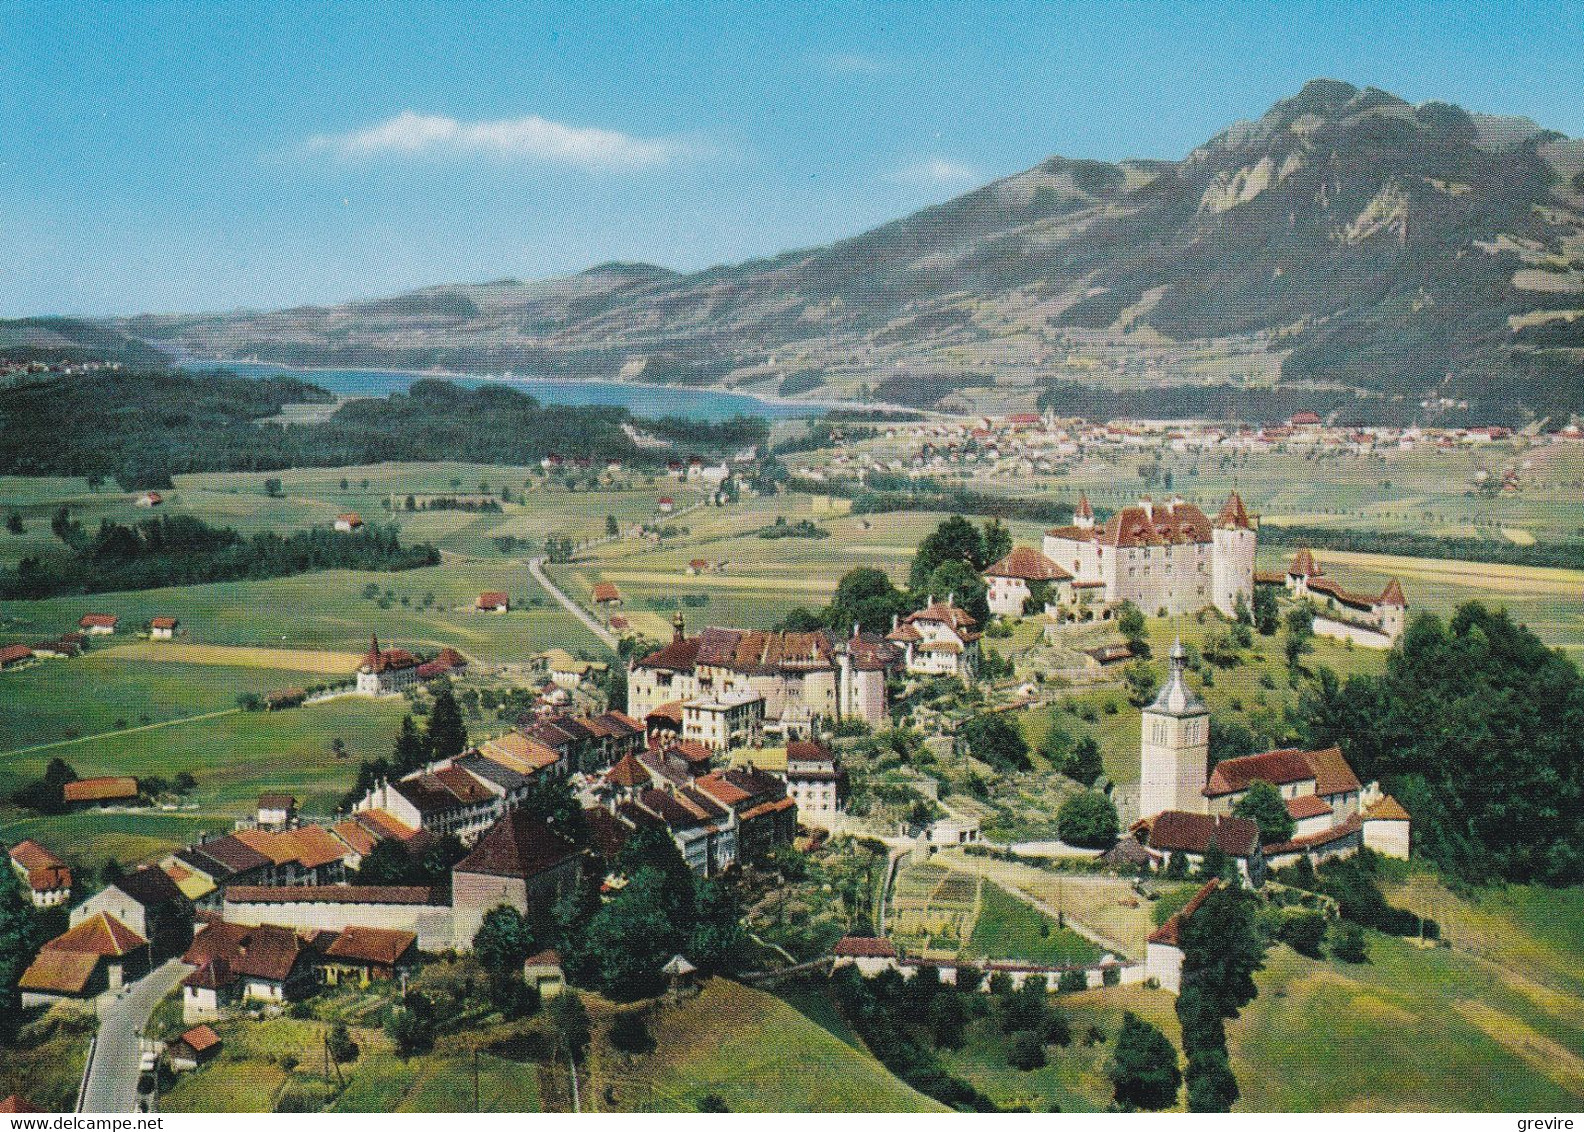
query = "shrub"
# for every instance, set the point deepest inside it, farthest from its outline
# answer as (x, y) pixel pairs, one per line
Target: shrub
(1026, 1051)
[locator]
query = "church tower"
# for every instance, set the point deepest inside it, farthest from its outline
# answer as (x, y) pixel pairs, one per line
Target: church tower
(1174, 750)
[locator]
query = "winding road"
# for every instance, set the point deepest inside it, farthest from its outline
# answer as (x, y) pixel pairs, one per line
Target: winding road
(113, 1075)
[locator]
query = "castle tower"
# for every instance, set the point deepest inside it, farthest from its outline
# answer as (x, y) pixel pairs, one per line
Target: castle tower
(1174, 749)
(1233, 542)
(1391, 609)
(1083, 514)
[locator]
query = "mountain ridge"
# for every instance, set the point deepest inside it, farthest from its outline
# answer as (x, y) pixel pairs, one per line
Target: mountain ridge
(1374, 257)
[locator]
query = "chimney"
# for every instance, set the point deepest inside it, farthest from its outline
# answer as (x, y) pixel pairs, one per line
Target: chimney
(1149, 508)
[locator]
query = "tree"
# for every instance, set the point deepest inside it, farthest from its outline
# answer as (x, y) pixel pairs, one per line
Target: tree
(412, 1026)
(996, 542)
(19, 939)
(1300, 634)
(633, 936)
(1263, 805)
(1266, 616)
(996, 740)
(412, 748)
(344, 484)
(387, 863)
(1084, 765)
(273, 487)
(1211, 1085)
(1143, 1067)
(338, 1042)
(955, 540)
(1026, 1051)
(1131, 624)
(1088, 820)
(571, 1023)
(446, 733)
(1347, 942)
(948, 1021)
(629, 1033)
(14, 523)
(502, 942)
(1241, 613)
(1304, 933)
(612, 528)
(961, 583)
(1142, 682)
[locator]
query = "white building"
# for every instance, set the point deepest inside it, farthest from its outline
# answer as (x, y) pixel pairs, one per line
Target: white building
(1162, 556)
(1174, 749)
(1010, 579)
(385, 672)
(815, 781)
(939, 640)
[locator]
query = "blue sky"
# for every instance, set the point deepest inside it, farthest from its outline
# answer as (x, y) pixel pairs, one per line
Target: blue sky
(159, 156)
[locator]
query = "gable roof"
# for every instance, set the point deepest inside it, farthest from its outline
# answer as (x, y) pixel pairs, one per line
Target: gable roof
(518, 846)
(1386, 808)
(1279, 768)
(1174, 831)
(100, 934)
(1028, 564)
(104, 789)
(1308, 806)
(264, 951)
(1233, 514)
(864, 947)
(59, 972)
(492, 598)
(1333, 775)
(1170, 933)
(150, 886)
(677, 656)
(381, 946)
(329, 894)
(30, 855)
(99, 620)
(163, 623)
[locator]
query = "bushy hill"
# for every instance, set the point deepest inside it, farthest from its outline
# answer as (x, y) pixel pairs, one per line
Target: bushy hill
(1361, 253)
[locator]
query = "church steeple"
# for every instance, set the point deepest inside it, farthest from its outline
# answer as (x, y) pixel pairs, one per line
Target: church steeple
(1174, 746)
(678, 627)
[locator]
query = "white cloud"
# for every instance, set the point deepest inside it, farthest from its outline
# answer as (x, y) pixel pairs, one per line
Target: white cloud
(935, 171)
(531, 138)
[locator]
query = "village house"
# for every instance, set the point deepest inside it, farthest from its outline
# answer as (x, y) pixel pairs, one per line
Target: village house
(542, 971)
(1192, 835)
(98, 624)
(815, 782)
(869, 954)
(163, 628)
(385, 672)
(149, 499)
(521, 862)
(939, 640)
(45, 877)
(362, 955)
(196, 1047)
(446, 662)
(276, 811)
(263, 963)
(13, 656)
(106, 791)
(766, 817)
(99, 953)
(1013, 579)
(1162, 556)
(148, 902)
(442, 802)
(493, 601)
(348, 522)
(723, 722)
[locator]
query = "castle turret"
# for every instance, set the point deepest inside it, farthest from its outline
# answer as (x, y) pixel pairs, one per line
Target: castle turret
(1233, 543)
(678, 627)
(1391, 610)
(1083, 514)
(1174, 748)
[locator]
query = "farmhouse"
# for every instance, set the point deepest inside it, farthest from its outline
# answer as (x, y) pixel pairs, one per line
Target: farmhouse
(363, 955)
(1014, 579)
(100, 791)
(98, 624)
(98, 953)
(12, 656)
(44, 875)
(384, 672)
(149, 499)
(493, 601)
(348, 522)
(276, 811)
(163, 628)
(148, 902)
(238, 962)
(1162, 556)
(938, 640)
(605, 595)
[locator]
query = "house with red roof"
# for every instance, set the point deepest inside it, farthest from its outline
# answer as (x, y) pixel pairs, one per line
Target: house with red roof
(196, 1047)
(44, 876)
(1013, 579)
(163, 628)
(522, 862)
(98, 953)
(386, 671)
(493, 601)
(12, 656)
(348, 522)
(939, 640)
(1163, 953)
(99, 624)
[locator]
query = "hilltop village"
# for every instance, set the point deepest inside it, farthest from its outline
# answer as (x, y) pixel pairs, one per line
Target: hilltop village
(1028, 762)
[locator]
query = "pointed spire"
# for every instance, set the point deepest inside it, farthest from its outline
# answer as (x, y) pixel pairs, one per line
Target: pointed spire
(1233, 513)
(1083, 510)
(372, 658)
(678, 627)
(1393, 595)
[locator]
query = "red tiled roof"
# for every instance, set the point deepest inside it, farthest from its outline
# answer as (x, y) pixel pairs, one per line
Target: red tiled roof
(59, 972)
(1352, 825)
(667, 713)
(30, 855)
(10, 654)
(163, 623)
(329, 894)
(678, 655)
(864, 947)
(14, 1103)
(627, 773)
(200, 1038)
(99, 620)
(1393, 595)
(99, 789)
(351, 517)
(1279, 768)
(1308, 806)
(490, 599)
(1304, 565)
(1233, 513)
(1028, 564)
(1180, 831)
(518, 846)
(1386, 808)
(381, 946)
(1170, 933)
(99, 934)
(1333, 775)
(606, 591)
(802, 750)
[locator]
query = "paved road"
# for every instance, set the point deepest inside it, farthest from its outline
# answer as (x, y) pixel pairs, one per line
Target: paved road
(113, 1077)
(536, 568)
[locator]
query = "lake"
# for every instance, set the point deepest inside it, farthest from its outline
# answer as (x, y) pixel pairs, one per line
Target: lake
(641, 400)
